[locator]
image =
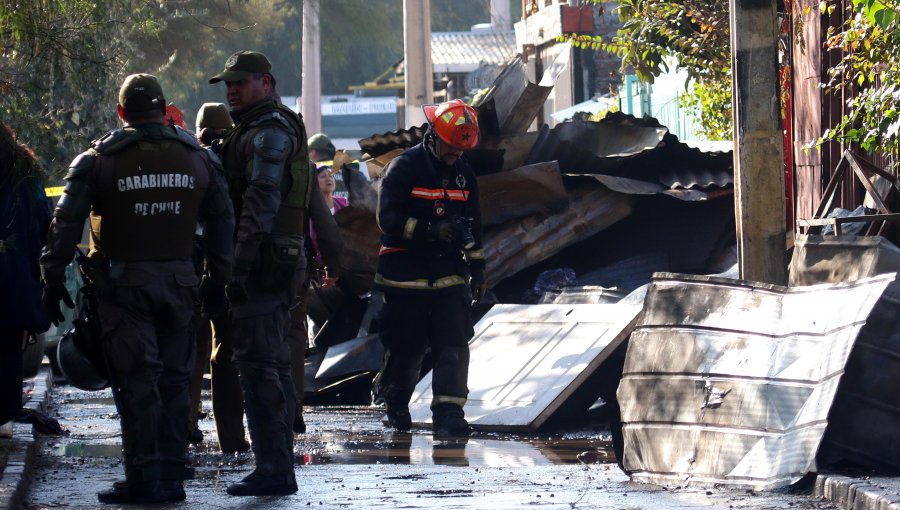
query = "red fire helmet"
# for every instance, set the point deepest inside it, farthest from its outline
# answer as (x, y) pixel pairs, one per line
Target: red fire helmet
(454, 122)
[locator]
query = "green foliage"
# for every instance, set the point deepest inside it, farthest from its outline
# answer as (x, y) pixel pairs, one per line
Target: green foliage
(694, 33)
(62, 61)
(869, 43)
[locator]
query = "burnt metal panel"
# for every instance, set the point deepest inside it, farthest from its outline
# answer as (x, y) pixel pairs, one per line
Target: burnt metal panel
(527, 360)
(585, 294)
(638, 149)
(362, 354)
(512, 103)
(532, 189)
(730, 382)
(516, 245)
(865, 418)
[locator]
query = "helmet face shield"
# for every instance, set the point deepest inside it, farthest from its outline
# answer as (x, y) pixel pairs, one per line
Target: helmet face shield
(455, 123)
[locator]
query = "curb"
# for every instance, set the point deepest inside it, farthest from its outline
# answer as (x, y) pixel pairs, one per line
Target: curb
(856, 494)
(20, 458)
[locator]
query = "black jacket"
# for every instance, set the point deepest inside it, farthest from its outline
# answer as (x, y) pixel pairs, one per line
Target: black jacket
(416, 193)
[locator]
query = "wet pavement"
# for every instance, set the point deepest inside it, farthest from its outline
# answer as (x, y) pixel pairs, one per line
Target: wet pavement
(348, 460)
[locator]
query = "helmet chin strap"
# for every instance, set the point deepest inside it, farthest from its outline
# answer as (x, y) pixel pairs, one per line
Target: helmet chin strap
(430, 140)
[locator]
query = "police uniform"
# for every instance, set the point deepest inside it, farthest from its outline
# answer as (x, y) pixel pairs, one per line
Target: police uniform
(427, 302)
(227, 400)
(267, 166)
(331, 247)
(145, 188)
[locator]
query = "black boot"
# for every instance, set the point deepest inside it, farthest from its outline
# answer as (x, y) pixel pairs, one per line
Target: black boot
(195, 436)
(299, 424)
(146, 493)
(264, 485)
(449, 421)
(398, 417)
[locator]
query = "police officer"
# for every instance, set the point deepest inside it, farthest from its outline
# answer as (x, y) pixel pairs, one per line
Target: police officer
(213, 121)
(145, 187)
(320, 148)
(430, 267)
(274, 194)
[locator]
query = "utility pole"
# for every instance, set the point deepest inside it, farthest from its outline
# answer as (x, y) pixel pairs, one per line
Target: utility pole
(312, 70)
(418, 77)
(758, 144)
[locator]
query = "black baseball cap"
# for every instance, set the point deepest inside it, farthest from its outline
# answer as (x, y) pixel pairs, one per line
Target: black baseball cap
(242, 64)
(141, 93)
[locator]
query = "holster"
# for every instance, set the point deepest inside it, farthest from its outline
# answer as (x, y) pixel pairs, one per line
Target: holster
(279, 255)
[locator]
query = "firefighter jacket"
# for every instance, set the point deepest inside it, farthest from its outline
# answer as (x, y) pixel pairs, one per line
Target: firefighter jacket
(145, 188)
(416, 193)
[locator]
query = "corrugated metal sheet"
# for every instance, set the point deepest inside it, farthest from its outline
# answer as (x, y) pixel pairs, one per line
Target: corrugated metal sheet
(865, 418)
(376, 145)
(641, 150)
(527, 360)
(730, 382)
(461, 52)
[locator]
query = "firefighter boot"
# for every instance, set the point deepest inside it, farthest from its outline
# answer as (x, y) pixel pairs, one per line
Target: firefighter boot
(449, 421)
(398, 417)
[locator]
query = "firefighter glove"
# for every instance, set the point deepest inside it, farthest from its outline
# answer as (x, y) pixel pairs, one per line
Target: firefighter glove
(212, 298)
(448, 232)
(51, 299)
(477, 285)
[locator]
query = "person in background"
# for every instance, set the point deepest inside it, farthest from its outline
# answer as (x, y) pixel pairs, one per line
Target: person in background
(146, 187)
(430, 268)
(214, 349)
(320, 148)
(323, 268)
(24, 219)
(322, 152)
(213, 121)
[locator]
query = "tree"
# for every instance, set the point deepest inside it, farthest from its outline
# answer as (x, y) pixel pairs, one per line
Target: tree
(58, 68)
(870, 63)
(695, 34)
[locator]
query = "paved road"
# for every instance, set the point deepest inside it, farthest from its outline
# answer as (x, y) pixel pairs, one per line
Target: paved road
(347, 460)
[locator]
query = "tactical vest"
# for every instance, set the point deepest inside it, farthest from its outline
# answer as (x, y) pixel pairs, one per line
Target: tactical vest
(151, 181)
(296, 182)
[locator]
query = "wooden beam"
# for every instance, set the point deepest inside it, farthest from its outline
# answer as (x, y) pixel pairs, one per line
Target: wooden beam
(758, 144)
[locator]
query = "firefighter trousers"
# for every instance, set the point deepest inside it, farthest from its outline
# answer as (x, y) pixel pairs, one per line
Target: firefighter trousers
(411, 324)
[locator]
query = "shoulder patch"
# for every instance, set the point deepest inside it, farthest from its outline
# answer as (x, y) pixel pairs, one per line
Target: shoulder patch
(115, 140)
(82, 164)
(274, 116)
(187, 139)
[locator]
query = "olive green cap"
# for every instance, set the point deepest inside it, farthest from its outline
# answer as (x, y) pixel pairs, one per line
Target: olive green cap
(241, 65)
(141, 93)
(213, 115)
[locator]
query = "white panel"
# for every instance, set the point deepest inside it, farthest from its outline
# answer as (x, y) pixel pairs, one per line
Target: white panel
(527, 359)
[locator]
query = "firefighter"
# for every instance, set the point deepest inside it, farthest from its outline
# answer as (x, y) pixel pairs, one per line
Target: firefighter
(145, 187)
(274, 195)
(430, 268)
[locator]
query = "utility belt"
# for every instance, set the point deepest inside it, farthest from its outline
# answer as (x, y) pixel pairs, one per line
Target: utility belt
(279, 257)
